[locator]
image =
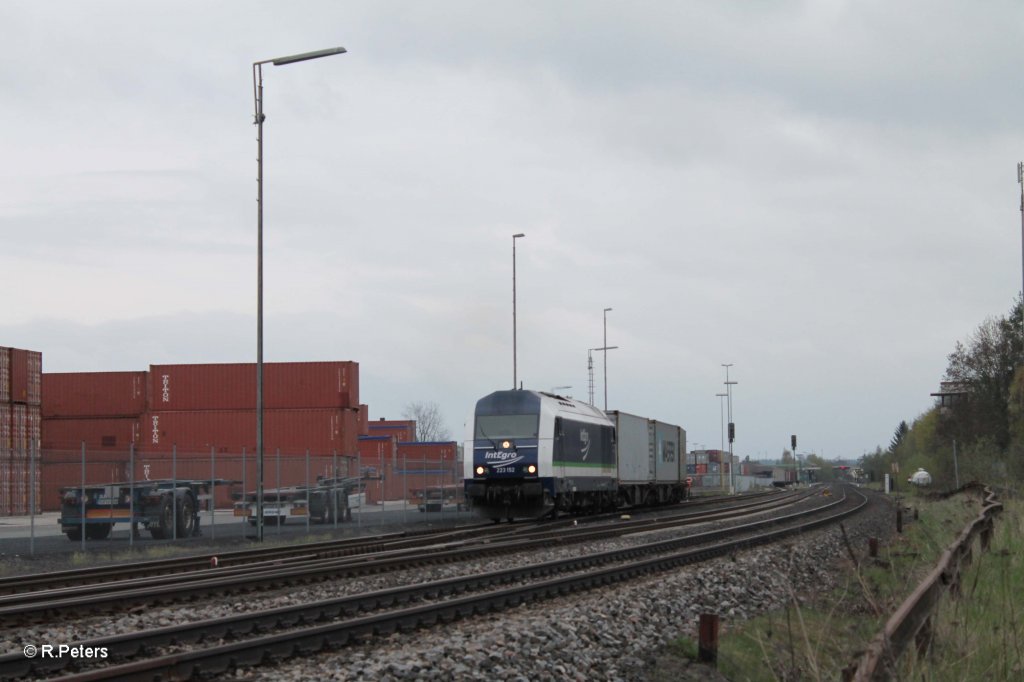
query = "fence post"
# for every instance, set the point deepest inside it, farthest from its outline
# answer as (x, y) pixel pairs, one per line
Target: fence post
(213, 499)
(133, 527)
(986, 534)
(707, 648)
(280, 519)
(82, 496)
(245, 500)
(334, 487)
(32, 497)
(174, 491)
(309, 497)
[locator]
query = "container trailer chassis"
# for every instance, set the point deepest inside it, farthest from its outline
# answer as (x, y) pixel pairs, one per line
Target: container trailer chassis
(167, 508)
(328, 499)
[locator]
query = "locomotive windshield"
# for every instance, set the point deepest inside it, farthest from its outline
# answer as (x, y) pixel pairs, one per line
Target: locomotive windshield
(494, 427)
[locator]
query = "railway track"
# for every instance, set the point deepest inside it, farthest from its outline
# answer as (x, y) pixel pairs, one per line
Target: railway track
(312, 550)
(308, 567)
(337, 621)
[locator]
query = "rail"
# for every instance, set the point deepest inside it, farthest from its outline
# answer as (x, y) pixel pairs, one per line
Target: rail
(912, 620)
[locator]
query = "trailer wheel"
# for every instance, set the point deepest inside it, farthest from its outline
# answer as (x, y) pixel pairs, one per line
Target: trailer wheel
(164, 528)
(99, 531)
(74, 533)
(186, 516)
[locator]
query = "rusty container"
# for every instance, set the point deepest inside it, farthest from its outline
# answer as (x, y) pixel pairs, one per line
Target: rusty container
(26, 429)
(103, 434)
(364, 420)
(445, 452)
(5, 430)
(5, 374)
(404, 431)
(321, 431)
(63, 469)
(94, 394)
(286, 385)
(26, 376)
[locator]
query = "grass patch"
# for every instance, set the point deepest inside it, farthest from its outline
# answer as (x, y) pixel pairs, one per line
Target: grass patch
(815, 638)
(980, 636)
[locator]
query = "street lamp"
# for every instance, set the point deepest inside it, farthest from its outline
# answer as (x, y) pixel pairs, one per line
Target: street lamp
(590, 369)
(515, 377)
(732, 426)
(257, 87)
(605, 349)
(721, 416)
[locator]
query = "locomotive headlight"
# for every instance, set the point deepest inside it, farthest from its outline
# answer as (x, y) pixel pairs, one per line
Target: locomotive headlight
(480, 471)
(531, 469)
(506, 445)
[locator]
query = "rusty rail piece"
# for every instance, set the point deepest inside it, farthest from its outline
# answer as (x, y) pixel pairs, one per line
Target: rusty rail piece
(912, 621)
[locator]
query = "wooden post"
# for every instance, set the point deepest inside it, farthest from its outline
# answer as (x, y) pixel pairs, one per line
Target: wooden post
(707, 649)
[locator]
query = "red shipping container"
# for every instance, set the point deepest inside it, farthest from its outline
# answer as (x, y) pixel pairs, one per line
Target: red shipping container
(26, 429)
(94, 394)
(98, 434)
(702, 468)
(65, 471)
(5, 374)
(364, 420)
(15, 487)
(5, 430)
(376, 451)
(404, 431)
(26, 376)
(286, 385)
(445, 452)
(5, 487)
(321, 431)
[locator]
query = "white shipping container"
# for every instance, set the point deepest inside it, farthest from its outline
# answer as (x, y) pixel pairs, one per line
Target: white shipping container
(633, 443)
(669, 444)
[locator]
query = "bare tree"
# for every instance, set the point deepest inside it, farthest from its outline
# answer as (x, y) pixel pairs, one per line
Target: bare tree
(429, 421)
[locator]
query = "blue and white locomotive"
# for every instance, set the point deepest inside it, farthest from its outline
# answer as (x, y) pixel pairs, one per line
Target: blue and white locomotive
(532, 453)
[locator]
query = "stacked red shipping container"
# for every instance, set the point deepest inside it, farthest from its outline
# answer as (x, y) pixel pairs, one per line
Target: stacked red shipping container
(189, 410)
(20, 424)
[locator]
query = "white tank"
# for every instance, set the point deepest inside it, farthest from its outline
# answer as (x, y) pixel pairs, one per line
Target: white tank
(921, 477)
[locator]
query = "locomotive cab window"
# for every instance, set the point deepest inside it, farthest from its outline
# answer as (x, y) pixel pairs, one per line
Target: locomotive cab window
(512, 426)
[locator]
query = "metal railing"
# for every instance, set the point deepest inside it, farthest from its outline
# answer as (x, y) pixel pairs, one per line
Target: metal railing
(912, 621)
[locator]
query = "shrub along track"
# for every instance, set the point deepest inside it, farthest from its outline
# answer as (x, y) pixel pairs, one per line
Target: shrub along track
(524, 584)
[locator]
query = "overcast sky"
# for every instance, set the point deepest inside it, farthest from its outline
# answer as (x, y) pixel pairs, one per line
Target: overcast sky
(822, 193)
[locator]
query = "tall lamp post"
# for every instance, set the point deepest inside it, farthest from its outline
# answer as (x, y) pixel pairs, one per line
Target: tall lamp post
(605, 349)
(515, 377)
(732, 426)
(590, 369)
(721, 415)
(1020, 181)
(257, 87)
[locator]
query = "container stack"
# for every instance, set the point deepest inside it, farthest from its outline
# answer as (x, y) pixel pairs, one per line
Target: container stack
(20, 427)
(306, 405)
